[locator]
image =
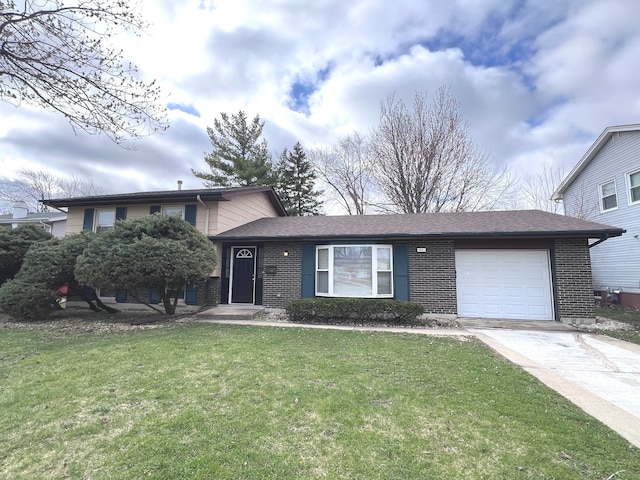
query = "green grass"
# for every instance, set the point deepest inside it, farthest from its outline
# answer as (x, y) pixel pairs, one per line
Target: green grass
(227, 402)
(626, 315)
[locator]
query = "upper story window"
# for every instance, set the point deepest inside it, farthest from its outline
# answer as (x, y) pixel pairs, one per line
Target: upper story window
(175, 210)
(354, 271)
(633, 182)
(608, 196)
(105, 219)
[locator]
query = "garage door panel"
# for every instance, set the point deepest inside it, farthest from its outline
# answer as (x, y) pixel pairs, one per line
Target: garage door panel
(513, 309)
(536, 293)
(511, 284)
(513, 292)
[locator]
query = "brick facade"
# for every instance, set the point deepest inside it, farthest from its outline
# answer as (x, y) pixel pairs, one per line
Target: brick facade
(432, 276)
(282, 274)
(573, 284)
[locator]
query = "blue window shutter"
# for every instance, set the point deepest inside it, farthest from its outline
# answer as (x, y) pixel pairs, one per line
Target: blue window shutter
(154, 297)
(121, 296)
(191, 294)
(121, 213)
(308, 271)
(190, 214)
(87, 224)
(401, 272)
(154, 209)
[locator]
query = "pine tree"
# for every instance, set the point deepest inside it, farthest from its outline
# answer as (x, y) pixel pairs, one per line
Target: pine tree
(296, 182)
(239, 157)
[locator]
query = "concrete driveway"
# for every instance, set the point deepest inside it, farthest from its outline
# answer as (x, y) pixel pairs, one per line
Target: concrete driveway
(599, 374)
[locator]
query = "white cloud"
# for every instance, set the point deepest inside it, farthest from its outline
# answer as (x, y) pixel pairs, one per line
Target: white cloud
(535, 81)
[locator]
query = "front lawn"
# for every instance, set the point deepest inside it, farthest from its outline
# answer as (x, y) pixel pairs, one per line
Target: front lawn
(185, 401)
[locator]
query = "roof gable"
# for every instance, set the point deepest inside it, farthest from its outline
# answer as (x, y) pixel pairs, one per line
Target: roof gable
(600, 142)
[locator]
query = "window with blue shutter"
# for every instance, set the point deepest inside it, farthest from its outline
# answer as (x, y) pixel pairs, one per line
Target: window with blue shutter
(87, 224)
(308, 271)
(191, 294)
(154, 209)
(190, 212)
(401, 272)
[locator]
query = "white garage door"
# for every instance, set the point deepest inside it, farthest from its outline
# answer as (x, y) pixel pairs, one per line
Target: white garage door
(511, 284)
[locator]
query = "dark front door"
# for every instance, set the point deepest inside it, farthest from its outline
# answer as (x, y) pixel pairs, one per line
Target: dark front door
(243, 274)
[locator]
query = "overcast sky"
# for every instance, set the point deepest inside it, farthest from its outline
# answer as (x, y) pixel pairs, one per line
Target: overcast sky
(537, 80)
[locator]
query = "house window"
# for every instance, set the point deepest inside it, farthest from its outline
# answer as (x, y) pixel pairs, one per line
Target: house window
(354, 271)
(105, 219)
(608, 196)
(633, 181)
(175, 210)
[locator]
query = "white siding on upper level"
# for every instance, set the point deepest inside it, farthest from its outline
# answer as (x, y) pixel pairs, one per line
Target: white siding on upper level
(615, 262)
(243, 209)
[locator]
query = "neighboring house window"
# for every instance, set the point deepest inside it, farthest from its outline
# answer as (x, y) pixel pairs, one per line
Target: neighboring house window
(354, 271)
(633, 181)
(608, 196)
(105, 219)
(175, 210)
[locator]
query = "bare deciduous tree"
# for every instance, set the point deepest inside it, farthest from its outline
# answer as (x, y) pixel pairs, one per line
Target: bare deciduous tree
(425, 160)
(57, 56)
(346, 169)
(538, 189)
(35, 185)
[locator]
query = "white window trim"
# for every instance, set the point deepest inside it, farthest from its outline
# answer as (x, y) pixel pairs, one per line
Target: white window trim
(601, 197)
(628, 179)
(374, 270)
(96, 226)
(165, 207)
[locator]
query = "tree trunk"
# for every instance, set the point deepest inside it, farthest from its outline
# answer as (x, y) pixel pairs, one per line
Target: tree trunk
(80, 291)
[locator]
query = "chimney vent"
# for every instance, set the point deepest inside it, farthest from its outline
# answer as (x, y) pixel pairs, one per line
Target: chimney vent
(20, 210)
(179, 184)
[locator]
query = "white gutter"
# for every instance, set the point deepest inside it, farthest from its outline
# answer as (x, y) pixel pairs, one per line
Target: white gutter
(206, 220)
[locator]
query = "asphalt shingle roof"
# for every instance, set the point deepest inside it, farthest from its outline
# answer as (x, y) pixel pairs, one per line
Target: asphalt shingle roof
(529, 223)
(205, 194)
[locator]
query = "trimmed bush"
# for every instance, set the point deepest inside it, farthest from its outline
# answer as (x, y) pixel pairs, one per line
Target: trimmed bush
(26, 301)
(348, 310)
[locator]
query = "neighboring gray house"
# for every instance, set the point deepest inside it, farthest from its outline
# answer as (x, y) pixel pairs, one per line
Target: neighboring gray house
(52, 222)
(605, 187)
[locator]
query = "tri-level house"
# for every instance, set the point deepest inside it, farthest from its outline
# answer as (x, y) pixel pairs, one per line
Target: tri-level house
(604, 186)
(211, 211)
(520, 265)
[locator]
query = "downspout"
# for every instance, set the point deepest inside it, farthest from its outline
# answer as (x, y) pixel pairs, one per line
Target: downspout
(47, 228)
(206, 220)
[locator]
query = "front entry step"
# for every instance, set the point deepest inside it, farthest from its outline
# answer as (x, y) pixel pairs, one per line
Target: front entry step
(231, 312)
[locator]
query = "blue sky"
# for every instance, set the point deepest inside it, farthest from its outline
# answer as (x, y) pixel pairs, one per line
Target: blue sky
(537, 80)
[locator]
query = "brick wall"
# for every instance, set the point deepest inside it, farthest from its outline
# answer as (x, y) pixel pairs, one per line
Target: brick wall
(285, 284)
(573, 283)
(432, 276)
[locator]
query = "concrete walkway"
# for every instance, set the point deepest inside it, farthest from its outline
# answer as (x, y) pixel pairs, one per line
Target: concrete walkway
(599, 374)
